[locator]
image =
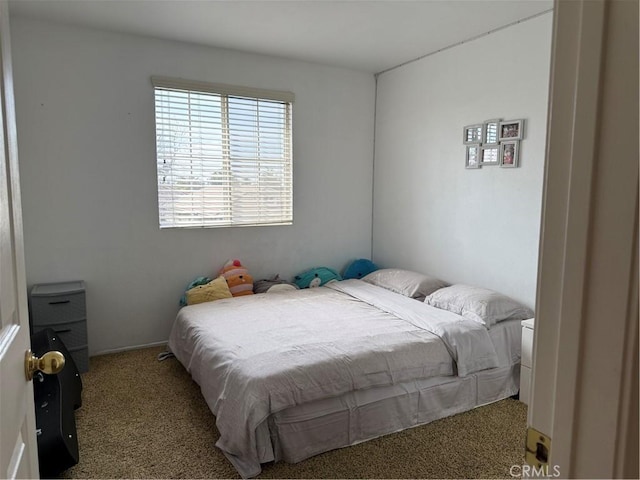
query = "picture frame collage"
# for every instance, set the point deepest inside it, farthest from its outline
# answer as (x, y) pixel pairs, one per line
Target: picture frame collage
(493, 142)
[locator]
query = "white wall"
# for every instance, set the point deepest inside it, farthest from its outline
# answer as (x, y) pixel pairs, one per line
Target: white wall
(431, 214)
(87, 157)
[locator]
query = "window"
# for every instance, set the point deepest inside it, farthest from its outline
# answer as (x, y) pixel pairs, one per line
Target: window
(223, 155)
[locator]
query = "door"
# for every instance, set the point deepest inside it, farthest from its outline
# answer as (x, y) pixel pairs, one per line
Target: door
(585, 369)
(18, 449)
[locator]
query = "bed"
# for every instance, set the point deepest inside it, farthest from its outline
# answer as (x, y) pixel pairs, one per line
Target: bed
(292, 374)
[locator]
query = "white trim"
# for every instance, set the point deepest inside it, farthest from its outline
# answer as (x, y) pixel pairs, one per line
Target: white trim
(586, 308)
(566, 211)
(131, 347)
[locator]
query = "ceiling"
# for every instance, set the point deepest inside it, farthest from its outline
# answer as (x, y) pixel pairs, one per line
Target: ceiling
(366, 35)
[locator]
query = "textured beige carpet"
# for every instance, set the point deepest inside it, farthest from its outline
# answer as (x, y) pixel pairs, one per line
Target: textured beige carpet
(147, 419)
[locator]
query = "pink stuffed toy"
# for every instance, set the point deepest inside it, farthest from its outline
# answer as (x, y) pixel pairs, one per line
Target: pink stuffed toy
(238, 278)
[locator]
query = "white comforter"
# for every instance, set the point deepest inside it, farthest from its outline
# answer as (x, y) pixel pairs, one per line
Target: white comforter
(256, 355)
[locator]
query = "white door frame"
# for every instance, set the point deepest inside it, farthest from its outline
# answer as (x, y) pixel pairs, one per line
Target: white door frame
(585, 369)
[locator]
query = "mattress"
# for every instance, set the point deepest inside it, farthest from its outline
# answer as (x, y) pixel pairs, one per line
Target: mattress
(258, 359)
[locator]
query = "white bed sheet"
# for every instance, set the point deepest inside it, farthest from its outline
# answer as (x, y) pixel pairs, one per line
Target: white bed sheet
(507, 340)
(303, 431)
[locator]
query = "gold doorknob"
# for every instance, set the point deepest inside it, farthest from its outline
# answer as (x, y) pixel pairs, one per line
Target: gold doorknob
(50, 363)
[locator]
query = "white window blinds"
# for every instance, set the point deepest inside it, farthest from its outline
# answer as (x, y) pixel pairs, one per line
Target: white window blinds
(223, 155)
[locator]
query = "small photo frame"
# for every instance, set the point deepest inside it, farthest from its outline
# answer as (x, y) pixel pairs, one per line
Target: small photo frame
(511, 130)
(473, 156)
(509, 153)
(490, 155)
(472, 134)
(490, 132)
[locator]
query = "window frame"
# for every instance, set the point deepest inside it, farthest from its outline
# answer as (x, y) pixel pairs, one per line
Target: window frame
(225, 93)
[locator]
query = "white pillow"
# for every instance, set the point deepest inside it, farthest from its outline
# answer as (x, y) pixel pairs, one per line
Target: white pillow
(478, 304)
(407, 283)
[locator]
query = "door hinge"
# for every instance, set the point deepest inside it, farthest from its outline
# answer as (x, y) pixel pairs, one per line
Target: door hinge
(538, 448)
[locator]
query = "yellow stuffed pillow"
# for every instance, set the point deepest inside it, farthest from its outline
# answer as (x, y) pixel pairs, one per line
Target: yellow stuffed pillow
(214, 290)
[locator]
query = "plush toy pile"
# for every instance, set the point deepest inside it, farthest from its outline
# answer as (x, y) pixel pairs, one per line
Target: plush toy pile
(234, 280)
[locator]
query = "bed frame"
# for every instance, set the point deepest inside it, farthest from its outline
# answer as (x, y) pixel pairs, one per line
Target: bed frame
(310, 429)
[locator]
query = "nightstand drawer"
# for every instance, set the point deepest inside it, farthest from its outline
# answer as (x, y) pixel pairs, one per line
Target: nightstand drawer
(62, 307)
(72, 334)
(527, 347)
(49, 310)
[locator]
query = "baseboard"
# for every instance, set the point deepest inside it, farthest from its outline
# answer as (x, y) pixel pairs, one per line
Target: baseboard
(132, 347)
